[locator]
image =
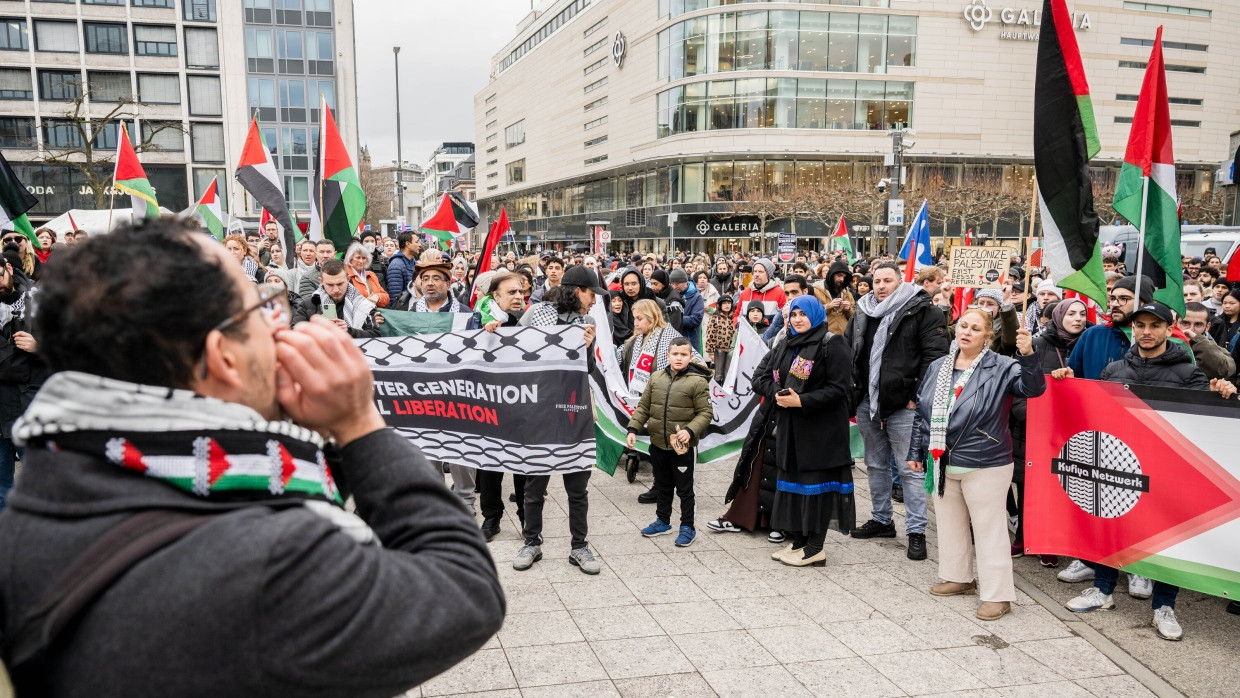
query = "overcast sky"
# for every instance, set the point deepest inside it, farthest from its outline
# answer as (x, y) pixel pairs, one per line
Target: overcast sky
(445, 58)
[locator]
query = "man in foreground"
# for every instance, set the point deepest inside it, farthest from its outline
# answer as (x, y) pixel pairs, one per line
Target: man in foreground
(153, 408)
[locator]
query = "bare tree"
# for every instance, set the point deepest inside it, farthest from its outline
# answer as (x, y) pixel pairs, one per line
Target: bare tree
(85, 151)
(765, 206)
(380, 191)
(1202, 208)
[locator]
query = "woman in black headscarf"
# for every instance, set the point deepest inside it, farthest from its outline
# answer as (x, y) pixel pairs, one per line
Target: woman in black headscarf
(621, 318)
(1069, 319)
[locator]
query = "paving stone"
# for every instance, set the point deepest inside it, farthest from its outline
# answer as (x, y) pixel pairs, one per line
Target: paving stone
(873, 636)
(545, 628)
(764, 612)
(852, 677)
(1054, 689)
(534, 597)
(1008, 666)
(615, 623)
(594, 689)
(947, 629)
(1072, 657)
(924, 671)
(1115, 687)
(660, 590)
(648, 656)
(553, 665)
(678, 685)
(484, 670)
(727, 649)
(800, 643)
(593, 593)
(694, 617)
(730, 585)
(743, 683)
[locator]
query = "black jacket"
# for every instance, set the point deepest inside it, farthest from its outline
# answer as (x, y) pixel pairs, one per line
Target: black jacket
(278, 595)
(818, 429)
(1052, 350)
(915, 339)
(1172, 369)
(311, 306)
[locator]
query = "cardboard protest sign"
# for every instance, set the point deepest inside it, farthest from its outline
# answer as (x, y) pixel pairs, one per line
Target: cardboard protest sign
(979, 267)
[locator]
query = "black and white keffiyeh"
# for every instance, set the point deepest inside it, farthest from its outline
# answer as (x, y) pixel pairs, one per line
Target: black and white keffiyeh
(945, 395)
(886, 312)
(357, 308)
(453, 306)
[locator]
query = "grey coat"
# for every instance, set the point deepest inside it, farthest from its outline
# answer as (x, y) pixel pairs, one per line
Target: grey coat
(262, 601)
(977, 430)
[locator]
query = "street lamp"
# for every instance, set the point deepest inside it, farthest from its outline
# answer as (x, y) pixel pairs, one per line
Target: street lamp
(400, 164)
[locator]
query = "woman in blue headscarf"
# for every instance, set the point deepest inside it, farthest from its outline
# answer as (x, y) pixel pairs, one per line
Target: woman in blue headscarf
(808, 379)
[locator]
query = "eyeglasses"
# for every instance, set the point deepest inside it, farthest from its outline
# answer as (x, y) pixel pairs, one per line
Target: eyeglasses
(272, 301)
(1121, 299)
(12, 238)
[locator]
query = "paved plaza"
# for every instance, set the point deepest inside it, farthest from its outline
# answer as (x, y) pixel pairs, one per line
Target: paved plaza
(722, 618)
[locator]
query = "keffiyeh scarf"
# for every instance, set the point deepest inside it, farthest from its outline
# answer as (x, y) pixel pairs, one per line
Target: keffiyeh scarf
(945, 396)
(886, 312)
(249, 266)
(453, 306)
(357, 308)
(647, 353)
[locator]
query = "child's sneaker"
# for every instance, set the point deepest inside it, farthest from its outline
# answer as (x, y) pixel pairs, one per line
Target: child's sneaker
(658, 528)
(686, 537)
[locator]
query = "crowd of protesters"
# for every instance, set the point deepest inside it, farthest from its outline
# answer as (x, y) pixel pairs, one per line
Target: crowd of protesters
(938, 391)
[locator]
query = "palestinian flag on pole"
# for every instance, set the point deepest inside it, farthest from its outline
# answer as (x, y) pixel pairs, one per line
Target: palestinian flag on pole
(338, 202)
(1064, 139)
(209, 211)
(840, 237)
(454, 217)
(130, 178)
(257, 174)
(497, 232)
(1145, 192)
(15, 201)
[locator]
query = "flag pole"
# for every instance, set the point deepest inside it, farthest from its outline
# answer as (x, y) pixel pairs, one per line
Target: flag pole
(1145, 196)
(112, 189)
(322, 134)
(1033, 225)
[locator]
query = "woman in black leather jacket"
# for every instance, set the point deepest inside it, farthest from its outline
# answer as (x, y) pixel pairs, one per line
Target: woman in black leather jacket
(962, 417)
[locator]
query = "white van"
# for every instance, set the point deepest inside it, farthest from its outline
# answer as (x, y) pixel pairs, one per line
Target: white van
(1194, 241)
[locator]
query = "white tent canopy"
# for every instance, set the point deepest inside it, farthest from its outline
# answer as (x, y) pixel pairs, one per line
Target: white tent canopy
(93, 221)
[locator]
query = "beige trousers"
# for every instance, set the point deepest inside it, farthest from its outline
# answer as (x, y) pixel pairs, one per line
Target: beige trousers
(978, 497)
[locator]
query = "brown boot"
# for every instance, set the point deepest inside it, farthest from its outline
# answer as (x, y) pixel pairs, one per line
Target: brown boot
(993, 610)
(954, 588)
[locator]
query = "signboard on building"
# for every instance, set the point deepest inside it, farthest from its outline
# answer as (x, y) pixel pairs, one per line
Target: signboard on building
(787, 247)
(62, 187)
(707, 225)
(1016, 23)
(895, 212)
(980, 267)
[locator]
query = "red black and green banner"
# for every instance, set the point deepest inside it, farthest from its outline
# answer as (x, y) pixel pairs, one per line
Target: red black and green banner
(338, 202)
(1136, 477)
(1065, 137)
(130, 178)
(15, 201)
(1145, 191)
(454, 217)
(256, 171)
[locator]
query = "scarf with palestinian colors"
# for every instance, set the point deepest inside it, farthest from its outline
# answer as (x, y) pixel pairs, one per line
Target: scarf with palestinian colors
(212, 449)
(945, 396)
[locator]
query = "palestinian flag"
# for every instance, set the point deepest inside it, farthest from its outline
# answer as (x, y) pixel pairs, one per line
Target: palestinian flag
(208, 210)
(1145, 192)
(497, 232)
(130, 178)
(840, 237)
(15, 201)
(1064, 139)
(405, 323)
(257, 174)
(338, 202)
(454, 217)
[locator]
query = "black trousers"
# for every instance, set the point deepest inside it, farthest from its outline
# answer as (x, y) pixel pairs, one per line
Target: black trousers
(491, 493)
(578, 507)
(673, 472)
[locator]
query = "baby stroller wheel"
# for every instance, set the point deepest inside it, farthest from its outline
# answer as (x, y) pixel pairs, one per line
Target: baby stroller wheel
(630, 467)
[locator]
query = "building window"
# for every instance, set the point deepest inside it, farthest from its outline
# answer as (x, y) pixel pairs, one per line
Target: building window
(594, 27)
(109, 87)
(322, 60)
(257, 11)
(1185, 123)
(596, 103)
(491, 111)
(103, 2)
(58, 37)
(288, 12)
(491, 162)
(516, 171)
(318, 13)
(787, 40)
(324, 88)
(490, 99)
(13, 35)
(163, 136)
(198, 10)
(593, 86)
(490, 124)
(207, 141)
(1169, 66)
(260, 50)
(17, 132)
(492, 175)
(594, 66)
(297, 192)
(783, 103)
(514, 135)
(1166, 9)
(151, 40)
(204, 95)
(162, 4)
(107, 136)
(1123, 119)
(159, 88)
(293, 101)
(492, 137)
(107, 38)
(291, 51)
(202, 49)
(1149, 43)
(595, 123)
(202, 180)
(15, 84)
(594, 47)
(294, 148)
(59, 133)
(60, 85)
(543, 32)
(1185, 101)
(595, 141)
(595, 160)
(492, 149)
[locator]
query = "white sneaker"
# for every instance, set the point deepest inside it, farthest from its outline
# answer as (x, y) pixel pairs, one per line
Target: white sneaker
(1165, 624)
(1140, 587)
(776, 537)
(1092, 599)
(1076, 573)
(1013, 523)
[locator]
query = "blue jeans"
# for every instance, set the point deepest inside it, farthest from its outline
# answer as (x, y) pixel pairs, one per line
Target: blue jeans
(886, 441)
(895, 472)
(1105, 578)
(9, 453)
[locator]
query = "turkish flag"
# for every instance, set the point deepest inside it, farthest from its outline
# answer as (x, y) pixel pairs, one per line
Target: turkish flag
(1111, 480)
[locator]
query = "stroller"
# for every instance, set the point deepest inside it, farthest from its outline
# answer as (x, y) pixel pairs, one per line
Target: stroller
(632, 460)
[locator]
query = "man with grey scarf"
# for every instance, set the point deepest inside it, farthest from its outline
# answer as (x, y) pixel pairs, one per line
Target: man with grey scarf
(896, 334)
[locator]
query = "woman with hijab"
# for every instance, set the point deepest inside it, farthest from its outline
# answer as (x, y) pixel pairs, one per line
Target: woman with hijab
(1068, 320)
(811, 399)
(621, 318)
(961, 439)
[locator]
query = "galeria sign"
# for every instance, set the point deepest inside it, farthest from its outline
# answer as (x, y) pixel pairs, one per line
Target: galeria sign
(979, 267)
(979, 14)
